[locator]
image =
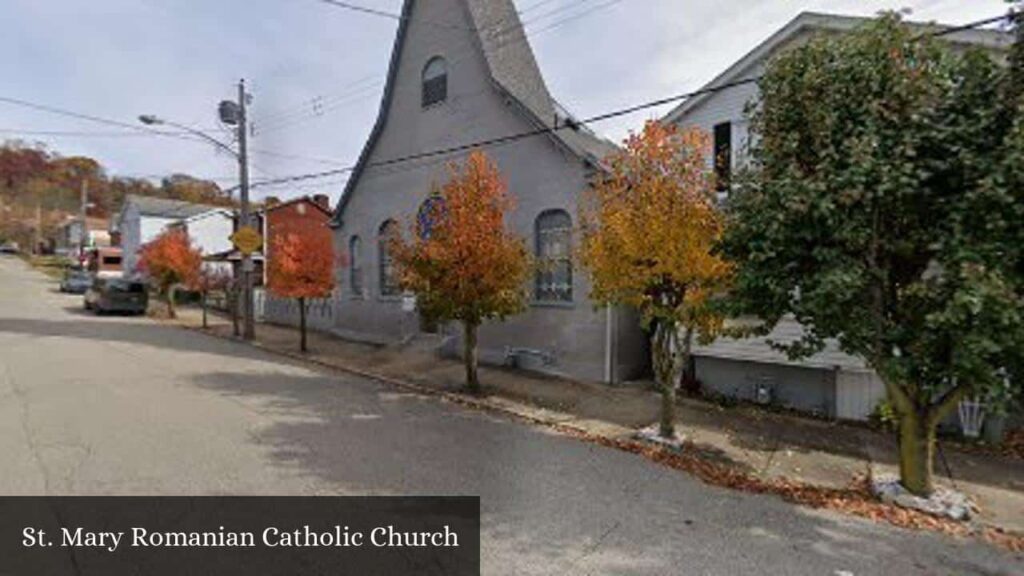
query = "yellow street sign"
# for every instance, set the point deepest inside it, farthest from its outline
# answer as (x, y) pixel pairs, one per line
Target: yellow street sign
(247, 240)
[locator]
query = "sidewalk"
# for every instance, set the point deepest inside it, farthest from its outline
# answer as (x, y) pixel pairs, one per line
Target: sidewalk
(766, 445)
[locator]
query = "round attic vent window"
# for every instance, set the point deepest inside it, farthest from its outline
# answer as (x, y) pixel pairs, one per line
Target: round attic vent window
(300, 208)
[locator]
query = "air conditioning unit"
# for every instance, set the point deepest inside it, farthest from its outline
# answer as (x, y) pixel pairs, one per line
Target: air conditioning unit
(764, 391)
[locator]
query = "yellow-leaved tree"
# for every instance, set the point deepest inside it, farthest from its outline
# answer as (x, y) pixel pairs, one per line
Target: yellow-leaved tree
(649, 229)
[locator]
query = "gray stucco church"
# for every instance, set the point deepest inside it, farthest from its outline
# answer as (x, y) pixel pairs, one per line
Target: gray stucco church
(462, 71)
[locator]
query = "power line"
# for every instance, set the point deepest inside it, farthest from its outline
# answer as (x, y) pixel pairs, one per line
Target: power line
(136, 131)
(511, 137)
(81, 133)
(555, 11)
(320, 100)
(577, 16)
(535, 6)
(298, 116)
(390, 15)
(88, 117)
(968, 26)
(573, 124)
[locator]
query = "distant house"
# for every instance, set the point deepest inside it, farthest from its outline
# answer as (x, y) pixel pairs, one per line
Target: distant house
(70, 236)
(473, 78)
(210, 232)
(296, 216)
(830, 383)
(143, 218)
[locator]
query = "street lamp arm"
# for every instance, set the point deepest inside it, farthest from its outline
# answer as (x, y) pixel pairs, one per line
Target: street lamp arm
(204, 136)
(151, 120)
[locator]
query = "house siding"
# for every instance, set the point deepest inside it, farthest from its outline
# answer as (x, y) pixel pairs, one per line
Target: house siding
(830, 383)
(211, 232)
(811, 390)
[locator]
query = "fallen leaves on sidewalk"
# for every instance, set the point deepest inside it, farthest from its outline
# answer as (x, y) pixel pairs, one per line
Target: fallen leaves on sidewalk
(1013, 445)
(855, 499)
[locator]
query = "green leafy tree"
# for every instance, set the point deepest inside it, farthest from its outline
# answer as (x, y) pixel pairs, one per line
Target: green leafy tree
(879, 211)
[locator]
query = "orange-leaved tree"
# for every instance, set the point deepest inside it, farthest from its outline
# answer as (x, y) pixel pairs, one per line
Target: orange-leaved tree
(169, 260)
(649, 228)
(301, 266)
(462, 262)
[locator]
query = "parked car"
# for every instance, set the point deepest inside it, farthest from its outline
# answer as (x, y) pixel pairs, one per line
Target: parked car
(75, 281)
(116, 295)
(9, 248)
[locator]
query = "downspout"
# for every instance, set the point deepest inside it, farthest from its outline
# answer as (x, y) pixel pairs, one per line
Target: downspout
(266, 241)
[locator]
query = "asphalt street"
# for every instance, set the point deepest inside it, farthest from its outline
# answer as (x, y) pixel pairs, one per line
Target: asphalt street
(121, 405)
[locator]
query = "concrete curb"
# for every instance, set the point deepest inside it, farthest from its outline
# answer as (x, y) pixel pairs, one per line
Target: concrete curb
(494, 404)
(602, 433)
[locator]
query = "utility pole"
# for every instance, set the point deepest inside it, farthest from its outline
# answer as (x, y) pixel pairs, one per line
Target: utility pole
(249, 329)
(83, 217)
(38, 236)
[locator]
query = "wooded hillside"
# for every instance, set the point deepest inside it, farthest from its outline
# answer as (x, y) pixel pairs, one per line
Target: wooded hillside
(40, 185)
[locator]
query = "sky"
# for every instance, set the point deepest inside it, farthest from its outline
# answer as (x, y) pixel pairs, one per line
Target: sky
(315, 71)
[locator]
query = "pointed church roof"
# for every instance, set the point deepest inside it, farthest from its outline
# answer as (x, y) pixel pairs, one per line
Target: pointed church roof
(514, 71)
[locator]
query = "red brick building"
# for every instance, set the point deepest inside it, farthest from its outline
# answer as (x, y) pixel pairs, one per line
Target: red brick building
(295, 215)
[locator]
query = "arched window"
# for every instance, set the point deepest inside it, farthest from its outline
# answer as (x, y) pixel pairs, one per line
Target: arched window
(355, 265)
(429, 214)
(554, 256)
(435, 81)
(388, 276)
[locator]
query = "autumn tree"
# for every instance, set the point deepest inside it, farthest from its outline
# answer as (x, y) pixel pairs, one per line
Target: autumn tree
(301, 266)
(168, 261)
(884, 211)
(462, 261)
(649, 227)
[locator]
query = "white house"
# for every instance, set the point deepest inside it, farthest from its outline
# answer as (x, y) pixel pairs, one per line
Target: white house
(831, 383)
(143, 218)
(211, 232)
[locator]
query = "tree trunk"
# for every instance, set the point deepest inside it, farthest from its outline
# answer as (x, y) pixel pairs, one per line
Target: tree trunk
(205, 323)
(917, 425)
(302, 324)
(917, 452)
(470, 356)
(667, 367)
(170, 302)
(667, 426)
(685, 375)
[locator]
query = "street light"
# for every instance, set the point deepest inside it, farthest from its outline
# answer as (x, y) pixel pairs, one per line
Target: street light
(235, 115)
(151, 120)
